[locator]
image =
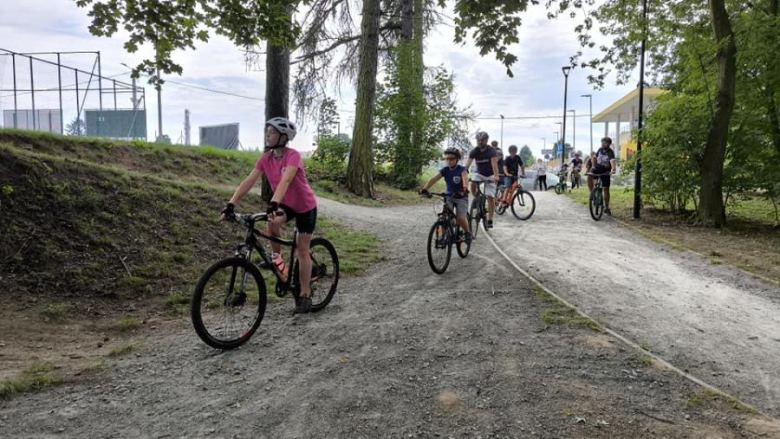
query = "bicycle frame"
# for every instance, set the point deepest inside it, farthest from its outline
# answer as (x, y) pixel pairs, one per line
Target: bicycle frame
(252, 242)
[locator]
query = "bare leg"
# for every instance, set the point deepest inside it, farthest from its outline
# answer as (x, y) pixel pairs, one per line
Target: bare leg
(304, 260)
(274, 228)
(590, 183)
(606, 197)
(491, 207)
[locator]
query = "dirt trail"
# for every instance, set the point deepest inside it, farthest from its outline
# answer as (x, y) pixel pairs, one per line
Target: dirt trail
(713, 320)
(400, 352)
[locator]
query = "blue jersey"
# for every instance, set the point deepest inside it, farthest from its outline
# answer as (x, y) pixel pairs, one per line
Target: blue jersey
(454, 178)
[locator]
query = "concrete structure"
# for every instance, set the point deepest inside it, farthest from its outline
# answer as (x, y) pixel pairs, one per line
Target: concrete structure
(623, 115)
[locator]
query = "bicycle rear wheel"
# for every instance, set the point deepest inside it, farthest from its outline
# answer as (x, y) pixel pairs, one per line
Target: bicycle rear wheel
(596, 204)
(228, 303)
(324, 273)
(523, 205)
(439, 247)
(474, 217)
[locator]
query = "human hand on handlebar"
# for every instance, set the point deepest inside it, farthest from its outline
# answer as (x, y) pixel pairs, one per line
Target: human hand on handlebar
(228, 212)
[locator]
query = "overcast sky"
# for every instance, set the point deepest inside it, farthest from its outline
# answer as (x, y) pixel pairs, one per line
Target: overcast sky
(535, 90)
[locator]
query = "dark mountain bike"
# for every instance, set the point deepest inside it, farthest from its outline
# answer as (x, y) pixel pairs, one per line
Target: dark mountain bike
(596, 202)
(230, 298)
(561, 186)
(478, 210)
(521, 202)
(445, 233)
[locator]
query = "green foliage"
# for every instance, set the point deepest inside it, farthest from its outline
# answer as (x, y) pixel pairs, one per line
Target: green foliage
(174, 25)
(332, 151)
(128, 324)
(526, 156)
(77, 127)
(494, 24)
(328, 118)
(395, 122)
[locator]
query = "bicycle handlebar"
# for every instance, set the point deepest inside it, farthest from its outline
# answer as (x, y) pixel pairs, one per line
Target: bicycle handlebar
(247, 219)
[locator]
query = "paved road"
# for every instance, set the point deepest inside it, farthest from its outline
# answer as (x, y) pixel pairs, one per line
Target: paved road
(713, 320)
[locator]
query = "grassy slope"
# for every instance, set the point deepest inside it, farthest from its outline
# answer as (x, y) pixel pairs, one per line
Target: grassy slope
(749, 241)
(188, 164)
(69, 223)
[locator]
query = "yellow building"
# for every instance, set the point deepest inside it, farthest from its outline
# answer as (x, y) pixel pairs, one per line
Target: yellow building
(624, 117)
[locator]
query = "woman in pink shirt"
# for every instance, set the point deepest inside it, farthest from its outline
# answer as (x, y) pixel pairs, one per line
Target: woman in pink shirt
(293, 199)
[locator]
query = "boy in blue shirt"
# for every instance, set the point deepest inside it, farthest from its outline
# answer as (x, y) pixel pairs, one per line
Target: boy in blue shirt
(457, 178)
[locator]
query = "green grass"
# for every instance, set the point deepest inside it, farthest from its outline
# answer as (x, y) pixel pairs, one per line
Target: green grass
(128, 324)
(37, 376)
(559, 313)
(123, 350)
(55, 313)
(703, 396)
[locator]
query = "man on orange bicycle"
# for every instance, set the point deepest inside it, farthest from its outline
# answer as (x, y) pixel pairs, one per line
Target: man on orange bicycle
(513, 168)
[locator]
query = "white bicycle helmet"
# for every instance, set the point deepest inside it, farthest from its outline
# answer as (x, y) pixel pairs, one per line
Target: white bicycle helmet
(284, 126)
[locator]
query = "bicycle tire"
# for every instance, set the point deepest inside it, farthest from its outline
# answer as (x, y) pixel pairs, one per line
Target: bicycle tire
(474, 217)
(521, 199)
(500, 205)
(596, 204)
(439, 234)
(462, 248)
(322, 268)
(558, 189)
(248, 327)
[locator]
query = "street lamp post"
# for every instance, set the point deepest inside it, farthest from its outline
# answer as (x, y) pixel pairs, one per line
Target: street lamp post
(590, 99)
(557, 138)
(502, 131)
(638, 167)
(565, 71)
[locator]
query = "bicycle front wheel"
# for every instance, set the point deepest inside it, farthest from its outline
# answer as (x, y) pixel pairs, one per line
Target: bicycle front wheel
(523, 205)
(596, 204)
(558, 189)
(228, 303)
(439, 247)
(500, 204)
(461, 245)
(324, 273)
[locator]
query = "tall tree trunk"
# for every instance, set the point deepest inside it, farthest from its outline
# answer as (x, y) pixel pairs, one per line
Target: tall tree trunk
(405, 156)
(277, 92)
(418, 132)
(361, 162)
(711, 209)
(771, 95)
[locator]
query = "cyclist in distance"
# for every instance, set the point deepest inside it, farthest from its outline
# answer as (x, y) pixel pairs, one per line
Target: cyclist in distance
(576, 168)
(292, 198)
(487, 171)
(456, 177)
(500, 163)
(603, 164)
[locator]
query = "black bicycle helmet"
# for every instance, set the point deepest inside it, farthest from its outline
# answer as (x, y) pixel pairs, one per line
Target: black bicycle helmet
(453, 151)
(512, 148)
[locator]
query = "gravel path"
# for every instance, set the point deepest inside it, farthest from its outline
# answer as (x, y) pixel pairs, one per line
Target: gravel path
(712, 320)
(400, 352)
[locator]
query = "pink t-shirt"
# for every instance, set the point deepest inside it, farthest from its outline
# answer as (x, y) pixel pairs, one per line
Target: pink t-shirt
(299, 197)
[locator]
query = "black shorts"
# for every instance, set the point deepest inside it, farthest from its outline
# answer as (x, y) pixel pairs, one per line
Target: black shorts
(605, 178)
(304, 222)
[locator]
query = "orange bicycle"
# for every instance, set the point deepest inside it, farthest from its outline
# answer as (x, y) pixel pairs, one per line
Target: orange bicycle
(520, 201)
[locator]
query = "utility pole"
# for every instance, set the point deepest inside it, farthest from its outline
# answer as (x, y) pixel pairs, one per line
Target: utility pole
(590, 98)
(638, 167)
(159, 108)
(502, 131)
(574, 129)
(187, 127)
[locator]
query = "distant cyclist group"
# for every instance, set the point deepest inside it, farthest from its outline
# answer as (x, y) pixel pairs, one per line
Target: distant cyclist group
(497, 172)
